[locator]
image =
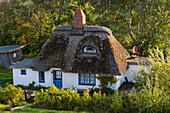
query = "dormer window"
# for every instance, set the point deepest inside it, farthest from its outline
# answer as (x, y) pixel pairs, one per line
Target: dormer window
(89, 49)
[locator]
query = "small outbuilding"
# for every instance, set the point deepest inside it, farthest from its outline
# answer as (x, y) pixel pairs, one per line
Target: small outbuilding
(10, 54)
(74, 56)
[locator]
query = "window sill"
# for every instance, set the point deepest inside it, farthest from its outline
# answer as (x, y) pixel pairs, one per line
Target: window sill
(41, 82)
(88, 84)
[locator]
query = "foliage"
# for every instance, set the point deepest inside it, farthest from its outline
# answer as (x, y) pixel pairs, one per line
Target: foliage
(10, 94)
(150, 99)
(117, 102)
(107, 91)
(106, 80)
(5, 77)
(158, 70)
(3, 107)
(143, 23)
(56, 99)
(31, 86)
(22, 102)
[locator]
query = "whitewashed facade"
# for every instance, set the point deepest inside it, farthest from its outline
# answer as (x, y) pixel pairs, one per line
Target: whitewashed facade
(69, 80)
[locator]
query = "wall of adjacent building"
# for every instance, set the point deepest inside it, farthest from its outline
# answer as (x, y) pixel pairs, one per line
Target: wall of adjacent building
(3, 60)
(14, 56)
(7, 59)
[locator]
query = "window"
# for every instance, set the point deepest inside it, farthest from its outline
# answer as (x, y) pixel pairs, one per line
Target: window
(57, 75)
(23, 71)
(41, 76)
(89, 49)
(14, 55)
(87, 79)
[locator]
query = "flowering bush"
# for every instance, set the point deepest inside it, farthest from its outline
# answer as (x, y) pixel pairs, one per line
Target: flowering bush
(106, 79)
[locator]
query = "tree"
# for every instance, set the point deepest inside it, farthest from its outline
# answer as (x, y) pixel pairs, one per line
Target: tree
(144, 21)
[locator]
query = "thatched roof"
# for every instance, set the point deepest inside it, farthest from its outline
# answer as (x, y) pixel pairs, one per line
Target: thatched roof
(65, 50)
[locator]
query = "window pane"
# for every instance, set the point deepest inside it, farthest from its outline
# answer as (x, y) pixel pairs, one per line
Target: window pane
(81, 81)
(82, 77)
(41, 76)
(92, 77)
(87, 78)
(90, 49)
(57, 75)
(23, 72)
(92, 82)
(58, 72)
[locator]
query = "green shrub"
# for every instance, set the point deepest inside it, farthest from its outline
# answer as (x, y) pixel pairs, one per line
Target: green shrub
(54, 98)
(10, 94)
(117, 102)
(32, 86)
(107, 91)
(100, 103)
(158, 70)
(151, 98)
(3, 107)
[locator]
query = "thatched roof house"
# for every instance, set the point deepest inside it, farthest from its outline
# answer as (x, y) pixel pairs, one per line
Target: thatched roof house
(80, 48)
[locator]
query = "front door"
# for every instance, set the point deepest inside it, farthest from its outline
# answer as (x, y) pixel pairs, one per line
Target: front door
(57, 78)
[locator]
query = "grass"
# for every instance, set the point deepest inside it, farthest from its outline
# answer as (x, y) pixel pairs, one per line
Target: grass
(33, 110)
(5, 77)
(3, 107)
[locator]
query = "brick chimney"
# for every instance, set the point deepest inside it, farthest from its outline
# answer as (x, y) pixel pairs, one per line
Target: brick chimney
(79, 19)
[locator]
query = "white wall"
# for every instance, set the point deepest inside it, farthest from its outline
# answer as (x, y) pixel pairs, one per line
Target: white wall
(69, 80)
(24, 79)
(120, 79)
(30, 77)
(133, 69)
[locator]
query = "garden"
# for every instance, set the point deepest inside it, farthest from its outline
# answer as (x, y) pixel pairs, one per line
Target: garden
(152, 95)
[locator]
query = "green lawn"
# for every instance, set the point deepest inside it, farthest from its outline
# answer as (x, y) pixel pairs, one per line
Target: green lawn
(33, 110)
(5, 77)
